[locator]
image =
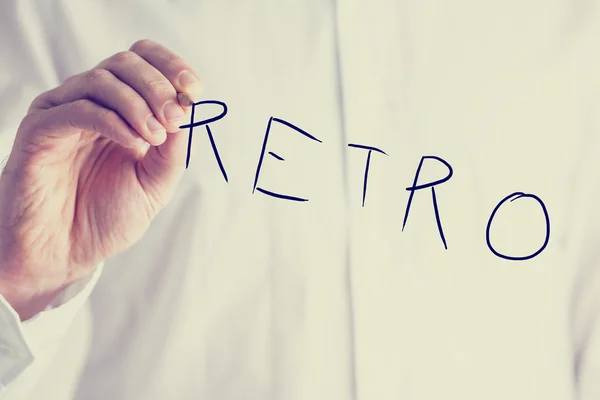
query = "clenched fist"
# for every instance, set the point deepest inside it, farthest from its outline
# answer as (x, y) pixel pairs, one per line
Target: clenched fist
(81, 183)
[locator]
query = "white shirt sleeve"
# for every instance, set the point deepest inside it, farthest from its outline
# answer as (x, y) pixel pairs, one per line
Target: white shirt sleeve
(28, 348)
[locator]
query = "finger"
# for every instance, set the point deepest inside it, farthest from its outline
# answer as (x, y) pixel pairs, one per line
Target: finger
(104, 88)
(73, 118)
(181, 75)
(161, 168)
(165, 164)
(150, 84)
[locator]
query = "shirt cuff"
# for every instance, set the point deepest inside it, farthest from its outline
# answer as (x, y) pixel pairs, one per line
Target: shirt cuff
(21, 342)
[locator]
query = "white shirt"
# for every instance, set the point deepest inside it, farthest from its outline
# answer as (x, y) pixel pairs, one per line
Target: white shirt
(235, 294)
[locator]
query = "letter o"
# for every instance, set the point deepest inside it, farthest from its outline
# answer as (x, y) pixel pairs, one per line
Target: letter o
(518, 195)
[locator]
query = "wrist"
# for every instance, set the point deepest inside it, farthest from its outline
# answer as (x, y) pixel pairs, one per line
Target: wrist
(28, 297)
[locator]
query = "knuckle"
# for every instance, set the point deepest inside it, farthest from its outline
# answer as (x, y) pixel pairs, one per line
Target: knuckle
(106, 123)
(159, 87)
(103, 119)
(108, 118)
(172, 62)
(40, 102)
(141, 45)
(104, 114)
(77, 106)
(123, 57)
(72, 109)
(98, 75)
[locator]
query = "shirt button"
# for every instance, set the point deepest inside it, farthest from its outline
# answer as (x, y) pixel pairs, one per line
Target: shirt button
(7, 352)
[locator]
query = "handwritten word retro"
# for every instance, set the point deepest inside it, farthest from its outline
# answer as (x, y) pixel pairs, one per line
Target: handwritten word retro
(416, 185)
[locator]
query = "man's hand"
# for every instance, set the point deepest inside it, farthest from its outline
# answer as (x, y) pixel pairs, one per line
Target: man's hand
(79, 185)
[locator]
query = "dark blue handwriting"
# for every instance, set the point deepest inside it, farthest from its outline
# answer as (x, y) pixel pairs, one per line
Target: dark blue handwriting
(416, 186)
